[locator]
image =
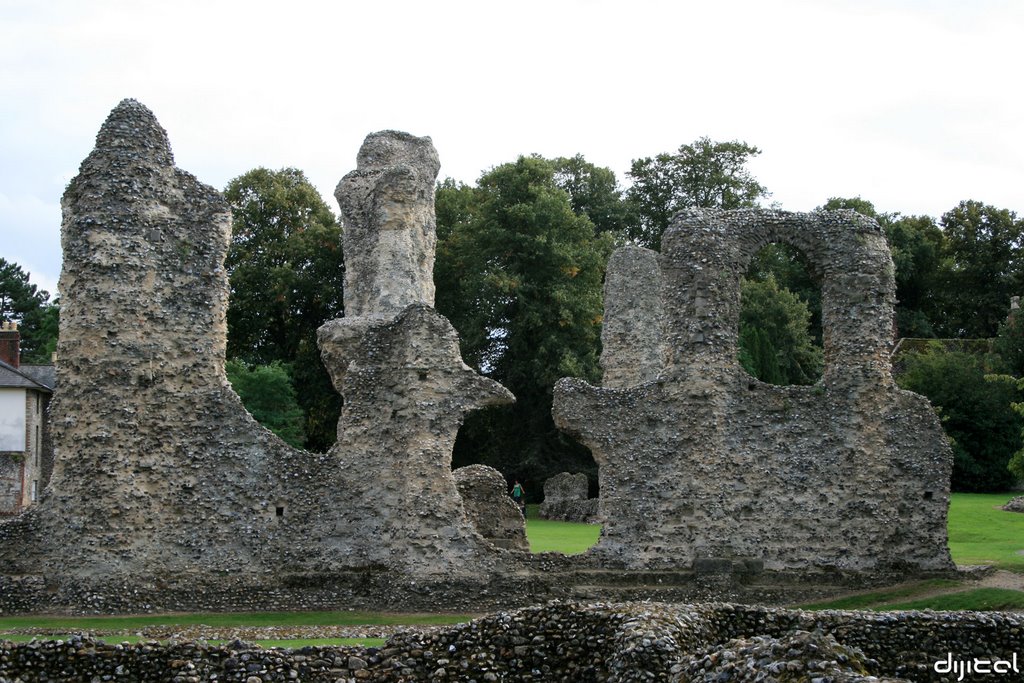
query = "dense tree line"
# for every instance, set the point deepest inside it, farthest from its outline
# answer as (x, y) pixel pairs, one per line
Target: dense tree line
(37, 317)
(519, 270)
(286, 272)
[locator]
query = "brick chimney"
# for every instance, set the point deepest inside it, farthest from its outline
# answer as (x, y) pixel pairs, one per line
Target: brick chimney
(10, 344)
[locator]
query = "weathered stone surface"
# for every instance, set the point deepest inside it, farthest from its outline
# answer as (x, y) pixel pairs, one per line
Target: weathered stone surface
(167, 495)
(632, 348)
(565, 498)
(397, 364)
(387, 208)
(705, 462)
(489, 507)
(406, 393)
(1015, 504)
(163, 481)
(145, 416)
(568, 641)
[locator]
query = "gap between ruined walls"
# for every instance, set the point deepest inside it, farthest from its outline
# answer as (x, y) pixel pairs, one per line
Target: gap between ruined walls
(167, 495)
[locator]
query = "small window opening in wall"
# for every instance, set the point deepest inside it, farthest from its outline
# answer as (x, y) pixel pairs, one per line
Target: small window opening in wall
(423, 375)
(928, 495)
(279, 511)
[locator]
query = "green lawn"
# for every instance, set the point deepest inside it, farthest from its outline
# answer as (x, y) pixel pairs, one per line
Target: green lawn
(976, 599)
(560, 537)
(129, 625)
(232, 619)
(980, 533)
(311, 642)
(886, 596)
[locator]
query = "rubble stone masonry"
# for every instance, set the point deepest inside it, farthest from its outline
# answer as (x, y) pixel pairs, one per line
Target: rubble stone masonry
(166, 494)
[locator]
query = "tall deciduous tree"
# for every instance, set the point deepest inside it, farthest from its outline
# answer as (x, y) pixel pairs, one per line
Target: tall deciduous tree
(519, 274)
(594, 192)
(976, 413)
(775, 342)
(703, 174)
(982, 268)
(30, 307)
(268, 395)
(287, 273)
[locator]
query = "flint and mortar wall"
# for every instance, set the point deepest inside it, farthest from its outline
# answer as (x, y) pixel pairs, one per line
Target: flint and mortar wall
(166, 493)
(577, 642)
(703, 463)
(162, 479)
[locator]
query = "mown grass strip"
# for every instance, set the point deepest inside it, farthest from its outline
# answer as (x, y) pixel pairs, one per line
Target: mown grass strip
(981, 533)
(283, 643)
(884, 596)
(231, 619)
(979, 599)
(568, 538)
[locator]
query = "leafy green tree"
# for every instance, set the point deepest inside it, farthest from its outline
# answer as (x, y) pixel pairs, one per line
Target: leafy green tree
(788, 267)
(1009, 346)
(287, 276)
(981, 269)
(703, 174)
(916, 243)
(267, 393)
(774, 339)
(37, 317)
(594, 192)
(976, 413)
(456, 263)
(519, 274)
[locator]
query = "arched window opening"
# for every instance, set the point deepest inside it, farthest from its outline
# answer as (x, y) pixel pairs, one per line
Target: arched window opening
(780, 334)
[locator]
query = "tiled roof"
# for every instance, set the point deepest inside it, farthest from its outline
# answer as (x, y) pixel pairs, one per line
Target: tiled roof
(43, 374)
(11, 377)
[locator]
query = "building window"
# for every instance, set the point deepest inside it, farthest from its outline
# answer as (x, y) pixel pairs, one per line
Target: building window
(35, 490)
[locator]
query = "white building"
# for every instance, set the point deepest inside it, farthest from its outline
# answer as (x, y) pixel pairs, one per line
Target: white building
(25, 455)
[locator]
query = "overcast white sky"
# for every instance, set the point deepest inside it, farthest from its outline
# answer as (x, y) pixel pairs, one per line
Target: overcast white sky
(912, 104)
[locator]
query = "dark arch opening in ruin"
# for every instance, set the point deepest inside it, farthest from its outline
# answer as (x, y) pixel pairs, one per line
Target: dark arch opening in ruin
(564, 488)
(780, 327)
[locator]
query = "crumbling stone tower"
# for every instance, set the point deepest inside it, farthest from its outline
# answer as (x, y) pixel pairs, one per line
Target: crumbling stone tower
(702, 465)
(397, 363)
(166, 492)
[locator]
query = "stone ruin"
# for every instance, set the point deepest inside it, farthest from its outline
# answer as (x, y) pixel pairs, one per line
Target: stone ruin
(494, 514)
(1015, 504)
(565, 499)
(635, 642)
(166, 492)
(702, 465)
(167, 495)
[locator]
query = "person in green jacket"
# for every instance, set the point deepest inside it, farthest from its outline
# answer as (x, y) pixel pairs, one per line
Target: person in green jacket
(517, 496)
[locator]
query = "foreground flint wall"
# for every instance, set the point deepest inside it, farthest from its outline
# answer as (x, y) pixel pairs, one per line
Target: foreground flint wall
(578, 642)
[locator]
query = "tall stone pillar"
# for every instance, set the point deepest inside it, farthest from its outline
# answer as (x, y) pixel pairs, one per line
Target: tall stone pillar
(397, 363)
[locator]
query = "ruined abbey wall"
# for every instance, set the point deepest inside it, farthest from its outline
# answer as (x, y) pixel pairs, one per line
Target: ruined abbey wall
(163, 481)
(166, 494)
(702, 465)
